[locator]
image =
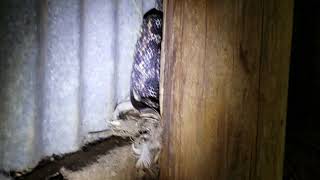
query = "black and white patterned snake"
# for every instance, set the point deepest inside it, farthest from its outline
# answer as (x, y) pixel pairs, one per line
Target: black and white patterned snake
(145, 76)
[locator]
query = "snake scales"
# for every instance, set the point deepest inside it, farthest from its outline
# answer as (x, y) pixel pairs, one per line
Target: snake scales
(145, 76)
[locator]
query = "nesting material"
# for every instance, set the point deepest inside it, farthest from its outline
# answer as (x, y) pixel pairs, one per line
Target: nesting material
(145, 130)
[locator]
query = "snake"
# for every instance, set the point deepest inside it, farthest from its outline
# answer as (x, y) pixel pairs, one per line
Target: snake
(145, 75)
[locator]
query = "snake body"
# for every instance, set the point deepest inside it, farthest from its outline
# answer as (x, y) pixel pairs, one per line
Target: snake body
(145, 76)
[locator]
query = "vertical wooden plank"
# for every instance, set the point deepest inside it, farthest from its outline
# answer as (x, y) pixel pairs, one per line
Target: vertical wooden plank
(218, 121)
(172, 29)
(187, 28)
(274, 71)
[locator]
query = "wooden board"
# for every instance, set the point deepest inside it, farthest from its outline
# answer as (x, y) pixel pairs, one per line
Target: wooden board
(224, 88)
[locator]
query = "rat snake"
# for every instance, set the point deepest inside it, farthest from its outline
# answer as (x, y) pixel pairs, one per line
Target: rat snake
(144, 88)
(145, 76)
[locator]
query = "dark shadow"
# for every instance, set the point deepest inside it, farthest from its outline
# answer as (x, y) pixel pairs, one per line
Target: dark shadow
(302, 150)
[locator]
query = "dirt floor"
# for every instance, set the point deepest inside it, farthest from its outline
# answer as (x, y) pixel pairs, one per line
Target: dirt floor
(111, 158)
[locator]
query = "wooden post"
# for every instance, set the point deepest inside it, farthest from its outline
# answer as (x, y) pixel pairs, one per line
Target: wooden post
(224, 88)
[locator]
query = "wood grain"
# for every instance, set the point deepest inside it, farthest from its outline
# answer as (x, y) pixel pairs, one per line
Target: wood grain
(224, 86)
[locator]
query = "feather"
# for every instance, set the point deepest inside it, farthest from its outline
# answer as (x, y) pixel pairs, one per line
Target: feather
(145, 158)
